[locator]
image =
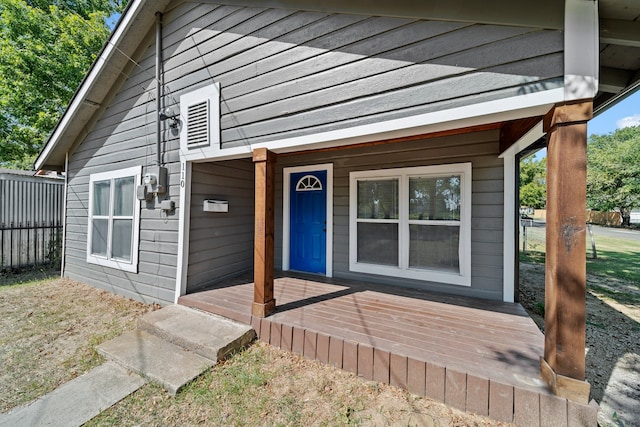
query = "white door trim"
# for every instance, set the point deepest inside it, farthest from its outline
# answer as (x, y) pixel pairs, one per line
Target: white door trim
(286, 198)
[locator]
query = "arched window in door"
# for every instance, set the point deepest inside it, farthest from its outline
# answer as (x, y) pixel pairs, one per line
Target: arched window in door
(309, 183)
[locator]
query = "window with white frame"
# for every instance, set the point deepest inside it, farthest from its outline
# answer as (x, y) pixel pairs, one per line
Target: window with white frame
(114, 219)
(413, 223)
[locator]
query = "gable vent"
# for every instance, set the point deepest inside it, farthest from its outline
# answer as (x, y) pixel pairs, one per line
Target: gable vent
(200, 131)
(198, 124)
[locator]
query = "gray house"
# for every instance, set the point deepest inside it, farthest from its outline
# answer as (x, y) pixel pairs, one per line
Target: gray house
(365, 141)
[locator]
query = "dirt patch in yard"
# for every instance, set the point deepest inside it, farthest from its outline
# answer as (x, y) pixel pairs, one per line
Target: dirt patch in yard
(613, 321)
(49, 330)
(265, 386)
(48, 334)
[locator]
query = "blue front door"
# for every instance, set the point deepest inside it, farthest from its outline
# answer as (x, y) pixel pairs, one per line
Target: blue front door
(308, 221)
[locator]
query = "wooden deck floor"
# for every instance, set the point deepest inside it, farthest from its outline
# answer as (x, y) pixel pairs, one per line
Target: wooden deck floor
(477, 355)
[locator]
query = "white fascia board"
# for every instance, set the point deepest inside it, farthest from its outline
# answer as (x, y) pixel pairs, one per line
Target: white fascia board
(92, 77)
(581, 49)
(529, 105)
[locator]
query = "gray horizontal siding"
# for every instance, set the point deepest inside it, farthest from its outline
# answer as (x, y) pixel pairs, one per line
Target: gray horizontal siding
(481, 149)
(285, 73)
(123, 136)
(221, 244)
(288, 73)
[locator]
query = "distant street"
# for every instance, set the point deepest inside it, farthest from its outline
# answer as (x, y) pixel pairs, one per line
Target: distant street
(619, 233)
(616, 232)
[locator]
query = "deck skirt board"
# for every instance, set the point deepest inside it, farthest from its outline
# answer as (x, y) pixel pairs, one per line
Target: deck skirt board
(470, 334)
(413, 339)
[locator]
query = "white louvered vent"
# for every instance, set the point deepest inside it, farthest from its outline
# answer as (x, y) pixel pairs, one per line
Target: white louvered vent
(198, 124)
(200, 127)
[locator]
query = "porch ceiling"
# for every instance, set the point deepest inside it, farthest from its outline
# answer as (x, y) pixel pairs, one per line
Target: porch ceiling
(619, 51)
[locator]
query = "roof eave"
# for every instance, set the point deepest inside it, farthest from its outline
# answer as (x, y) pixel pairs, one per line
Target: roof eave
(124, 40)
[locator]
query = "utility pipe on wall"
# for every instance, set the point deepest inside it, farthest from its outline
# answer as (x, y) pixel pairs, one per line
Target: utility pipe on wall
(159, 85)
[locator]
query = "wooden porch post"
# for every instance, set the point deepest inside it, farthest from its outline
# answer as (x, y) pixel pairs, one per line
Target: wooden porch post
(263, 301)
(563, 365)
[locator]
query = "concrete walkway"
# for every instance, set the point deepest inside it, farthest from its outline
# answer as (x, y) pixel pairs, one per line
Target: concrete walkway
(77, 401)
(171, 347)
(621, 402)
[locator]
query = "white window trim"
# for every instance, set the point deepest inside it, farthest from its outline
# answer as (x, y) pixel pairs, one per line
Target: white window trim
(132, 266)
(464, 277)
(286, 201)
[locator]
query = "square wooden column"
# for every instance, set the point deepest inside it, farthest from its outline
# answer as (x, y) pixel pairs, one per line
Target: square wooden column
(563, 365)
(263, 264)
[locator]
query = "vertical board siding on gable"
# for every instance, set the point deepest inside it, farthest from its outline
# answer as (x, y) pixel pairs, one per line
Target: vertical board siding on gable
(221, 244)
(481, 149)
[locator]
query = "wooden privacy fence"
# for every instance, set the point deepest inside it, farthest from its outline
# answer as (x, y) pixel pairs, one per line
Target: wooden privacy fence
(593, 217)
(31, 218)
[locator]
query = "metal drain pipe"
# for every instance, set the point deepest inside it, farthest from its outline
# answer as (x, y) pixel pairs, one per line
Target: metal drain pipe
(159, 85)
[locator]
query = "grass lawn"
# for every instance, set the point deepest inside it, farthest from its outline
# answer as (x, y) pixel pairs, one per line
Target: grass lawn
(612, 310)
(49, 329)
(617, 258)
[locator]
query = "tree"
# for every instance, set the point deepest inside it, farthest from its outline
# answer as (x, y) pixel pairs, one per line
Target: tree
(613, 172)
(533, 182)
(46, 48)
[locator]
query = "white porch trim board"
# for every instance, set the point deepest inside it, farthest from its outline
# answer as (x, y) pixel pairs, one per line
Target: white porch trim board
(509, 230)
(581, 49)
(183, 229)
(529, 105)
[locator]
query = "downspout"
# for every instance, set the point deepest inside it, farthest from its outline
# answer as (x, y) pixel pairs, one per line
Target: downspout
(159, 85)
(64, 213)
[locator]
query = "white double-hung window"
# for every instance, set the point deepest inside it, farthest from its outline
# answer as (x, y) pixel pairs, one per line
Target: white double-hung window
(413, 223)
(114, 219)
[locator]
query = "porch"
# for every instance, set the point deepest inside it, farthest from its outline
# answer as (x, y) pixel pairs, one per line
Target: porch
(476, 355)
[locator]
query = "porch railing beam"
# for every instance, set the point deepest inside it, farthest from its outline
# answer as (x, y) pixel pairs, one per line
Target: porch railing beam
(563, 365)
(264, 303)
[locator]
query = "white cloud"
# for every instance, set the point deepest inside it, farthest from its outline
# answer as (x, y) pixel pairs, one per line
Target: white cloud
(629, 121)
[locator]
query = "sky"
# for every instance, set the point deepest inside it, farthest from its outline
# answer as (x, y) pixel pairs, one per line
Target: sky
(112, 20)
(624, 113)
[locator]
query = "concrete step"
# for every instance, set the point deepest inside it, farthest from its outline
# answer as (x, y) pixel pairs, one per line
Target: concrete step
(208, 335)
(155, 359)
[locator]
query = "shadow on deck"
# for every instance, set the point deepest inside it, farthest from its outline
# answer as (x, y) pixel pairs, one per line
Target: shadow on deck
(476, 355)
